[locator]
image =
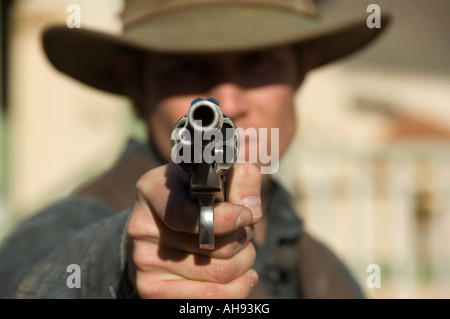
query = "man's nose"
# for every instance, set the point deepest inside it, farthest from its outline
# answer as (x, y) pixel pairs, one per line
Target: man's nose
(232, 99)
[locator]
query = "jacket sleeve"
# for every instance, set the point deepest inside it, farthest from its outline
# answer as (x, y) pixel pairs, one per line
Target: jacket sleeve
(78, 241)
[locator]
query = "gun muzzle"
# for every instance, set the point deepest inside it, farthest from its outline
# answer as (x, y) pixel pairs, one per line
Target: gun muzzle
(204, 115)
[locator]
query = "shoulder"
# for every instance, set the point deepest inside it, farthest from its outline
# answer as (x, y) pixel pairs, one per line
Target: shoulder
(322, 274)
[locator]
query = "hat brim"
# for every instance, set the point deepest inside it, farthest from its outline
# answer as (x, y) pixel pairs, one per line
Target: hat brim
(89, 56)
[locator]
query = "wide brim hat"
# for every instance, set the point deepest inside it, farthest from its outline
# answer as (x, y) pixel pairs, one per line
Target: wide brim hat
(201, 26)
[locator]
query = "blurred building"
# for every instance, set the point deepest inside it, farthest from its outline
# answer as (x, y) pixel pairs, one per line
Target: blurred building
(371, 163)
(369, 168)
(60, 132)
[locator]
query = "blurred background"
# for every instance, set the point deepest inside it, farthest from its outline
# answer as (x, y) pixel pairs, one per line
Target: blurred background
(369, 170)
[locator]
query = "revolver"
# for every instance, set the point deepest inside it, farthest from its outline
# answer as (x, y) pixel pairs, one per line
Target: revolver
(205, 144)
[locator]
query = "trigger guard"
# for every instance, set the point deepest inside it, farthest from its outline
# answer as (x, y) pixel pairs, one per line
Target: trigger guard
(206, 227)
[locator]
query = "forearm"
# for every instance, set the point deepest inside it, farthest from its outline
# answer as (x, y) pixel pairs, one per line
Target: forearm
(85, 232)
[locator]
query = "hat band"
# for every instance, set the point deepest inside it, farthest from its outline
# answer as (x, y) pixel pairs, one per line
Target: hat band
(136, 11)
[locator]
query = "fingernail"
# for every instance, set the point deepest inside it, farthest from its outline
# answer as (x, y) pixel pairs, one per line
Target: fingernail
(244, 219)
(254, 278)
(254, 204)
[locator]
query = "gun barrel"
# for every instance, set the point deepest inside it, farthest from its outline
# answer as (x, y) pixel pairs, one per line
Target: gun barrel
(204, 115)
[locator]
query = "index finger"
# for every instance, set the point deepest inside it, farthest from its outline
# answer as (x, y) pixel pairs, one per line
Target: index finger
(244, 187)
(165, 192)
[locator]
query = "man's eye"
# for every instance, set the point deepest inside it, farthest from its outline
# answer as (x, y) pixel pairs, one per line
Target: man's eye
(185, 75)
(191, 69)
(259, 58)
(186, 66)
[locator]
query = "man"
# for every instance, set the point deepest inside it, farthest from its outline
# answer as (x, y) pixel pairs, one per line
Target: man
(134, 232)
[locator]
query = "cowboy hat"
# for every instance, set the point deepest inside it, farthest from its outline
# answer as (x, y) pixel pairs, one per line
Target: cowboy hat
(200, 26)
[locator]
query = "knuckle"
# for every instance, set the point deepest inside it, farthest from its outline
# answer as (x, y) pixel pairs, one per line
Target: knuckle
(246, 170)
(133, 226)
(151, 179)
(243, 236)
(228, 251)
(224, 272)
(235, 242)
(142, 260)
(143, 182)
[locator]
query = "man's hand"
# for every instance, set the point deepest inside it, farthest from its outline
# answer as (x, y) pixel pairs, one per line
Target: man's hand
(166, 261)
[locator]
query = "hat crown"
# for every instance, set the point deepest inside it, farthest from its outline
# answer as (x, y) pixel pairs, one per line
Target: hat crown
(137, 10)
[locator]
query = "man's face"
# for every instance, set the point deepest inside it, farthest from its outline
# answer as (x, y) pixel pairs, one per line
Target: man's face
(255, 89)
